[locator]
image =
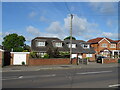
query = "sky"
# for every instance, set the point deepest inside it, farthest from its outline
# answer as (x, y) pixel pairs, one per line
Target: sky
(52, 19)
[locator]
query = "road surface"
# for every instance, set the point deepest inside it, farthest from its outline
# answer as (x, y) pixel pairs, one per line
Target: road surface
(70, 78)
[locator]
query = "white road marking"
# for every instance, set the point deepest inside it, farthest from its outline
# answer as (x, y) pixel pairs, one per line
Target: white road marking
(115, 85)
(20, 77)
(23, 77)
(94, 72)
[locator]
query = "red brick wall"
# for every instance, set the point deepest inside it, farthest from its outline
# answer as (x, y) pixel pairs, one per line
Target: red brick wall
(110, 60)
(1, 52)
(91, 58)
(53, 61)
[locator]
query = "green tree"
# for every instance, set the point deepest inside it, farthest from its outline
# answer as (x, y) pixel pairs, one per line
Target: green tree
(13, 41)
(26, 48)
(73, 38)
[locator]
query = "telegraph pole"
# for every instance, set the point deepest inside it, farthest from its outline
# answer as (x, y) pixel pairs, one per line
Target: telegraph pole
(71, 17)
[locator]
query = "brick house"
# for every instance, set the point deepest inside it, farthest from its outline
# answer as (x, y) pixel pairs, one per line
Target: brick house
(105, 46)
(81, 49)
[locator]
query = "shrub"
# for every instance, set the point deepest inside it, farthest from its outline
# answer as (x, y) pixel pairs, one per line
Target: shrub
(23, 63)
(33, 55)
(65, 54)
(25, 50)
(46, 56)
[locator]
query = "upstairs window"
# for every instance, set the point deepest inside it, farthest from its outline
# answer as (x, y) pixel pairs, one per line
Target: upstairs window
(104, 45)
(113, 46)
(40, 44)
(58, 44)
(86, 46)
(73, 45)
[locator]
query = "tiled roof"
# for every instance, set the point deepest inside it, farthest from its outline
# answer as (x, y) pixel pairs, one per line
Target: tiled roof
(96, 40)
(79, 48)
(49, 44)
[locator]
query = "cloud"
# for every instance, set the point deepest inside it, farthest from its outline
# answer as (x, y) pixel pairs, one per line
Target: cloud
(44, 19)
(55, 28)
(32, 14)
(109, 23)
(110, 35)
(33, 30)
(104, 7)
(81, 26)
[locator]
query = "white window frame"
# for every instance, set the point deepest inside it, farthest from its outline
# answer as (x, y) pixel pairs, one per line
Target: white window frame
(88, 46)
(58, 44)
(40, 43)
(104, 45)
(88, 55)
(73, 45)
(113, 46)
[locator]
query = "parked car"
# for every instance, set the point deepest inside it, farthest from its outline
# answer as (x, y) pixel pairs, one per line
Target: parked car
(99, 59)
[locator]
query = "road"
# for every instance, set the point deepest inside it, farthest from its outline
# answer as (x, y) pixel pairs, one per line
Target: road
(70, 78)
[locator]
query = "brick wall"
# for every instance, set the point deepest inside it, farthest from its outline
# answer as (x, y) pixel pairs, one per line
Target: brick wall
(53, 61)
(91, 58)
(1, 53)
(110, 60)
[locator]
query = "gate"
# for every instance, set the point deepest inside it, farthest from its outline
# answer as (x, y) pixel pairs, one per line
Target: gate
(6, 58)
(83, 61)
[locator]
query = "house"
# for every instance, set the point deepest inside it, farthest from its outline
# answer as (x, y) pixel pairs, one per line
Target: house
(81, 49)
(42, 44)
(105, 46)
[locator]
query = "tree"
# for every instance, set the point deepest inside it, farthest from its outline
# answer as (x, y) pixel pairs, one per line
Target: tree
(50, 52)
(13, 41)
(53, 52)
(26, 48)
(73, 38)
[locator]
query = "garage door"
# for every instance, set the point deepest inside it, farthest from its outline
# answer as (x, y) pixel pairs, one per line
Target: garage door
(19, 58)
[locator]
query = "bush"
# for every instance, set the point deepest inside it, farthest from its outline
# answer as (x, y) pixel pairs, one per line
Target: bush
(23, 63)
(65, 54)
(34, 55)
(25, 50)
(46, 56)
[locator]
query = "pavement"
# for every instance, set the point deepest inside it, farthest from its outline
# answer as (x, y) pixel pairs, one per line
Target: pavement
(55, 67)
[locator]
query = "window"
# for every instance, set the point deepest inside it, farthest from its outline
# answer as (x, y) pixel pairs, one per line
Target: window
(73, 45)
(113, 46)
(88, 55)
(58, 44)
(104, 45)
(40, 43)
(85, 46)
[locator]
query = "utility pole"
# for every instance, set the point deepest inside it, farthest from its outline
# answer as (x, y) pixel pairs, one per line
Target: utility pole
(71, 17)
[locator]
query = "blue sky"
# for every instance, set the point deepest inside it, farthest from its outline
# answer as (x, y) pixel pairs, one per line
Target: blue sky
(51, 19)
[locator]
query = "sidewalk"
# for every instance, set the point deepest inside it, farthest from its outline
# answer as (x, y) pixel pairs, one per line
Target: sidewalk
(55, 67)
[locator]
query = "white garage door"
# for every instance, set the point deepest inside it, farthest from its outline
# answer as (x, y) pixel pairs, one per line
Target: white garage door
(19, 58)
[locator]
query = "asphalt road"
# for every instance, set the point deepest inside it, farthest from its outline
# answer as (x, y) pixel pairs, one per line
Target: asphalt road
(71, 78)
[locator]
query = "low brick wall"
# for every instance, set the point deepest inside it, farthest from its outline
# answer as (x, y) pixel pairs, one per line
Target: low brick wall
(1, 58)
(110, 60)
(53, 61)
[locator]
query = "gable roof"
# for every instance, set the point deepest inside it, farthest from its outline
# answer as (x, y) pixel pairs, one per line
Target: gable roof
(49, 44)
(96, 40)
(79, 48)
